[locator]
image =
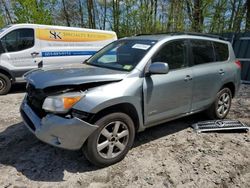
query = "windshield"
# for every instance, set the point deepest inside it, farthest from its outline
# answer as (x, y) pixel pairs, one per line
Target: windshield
(122, 55)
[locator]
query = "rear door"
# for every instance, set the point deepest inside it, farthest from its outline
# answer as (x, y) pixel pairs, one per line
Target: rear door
(168, 95)
(208, 73)
(22, 49)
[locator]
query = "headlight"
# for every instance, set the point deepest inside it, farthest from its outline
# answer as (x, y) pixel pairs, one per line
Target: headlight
(62, 103)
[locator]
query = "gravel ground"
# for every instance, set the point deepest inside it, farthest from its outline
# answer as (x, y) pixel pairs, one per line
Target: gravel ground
(169, 155)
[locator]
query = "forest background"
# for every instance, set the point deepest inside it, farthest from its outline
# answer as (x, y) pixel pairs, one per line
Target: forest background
(130, 17)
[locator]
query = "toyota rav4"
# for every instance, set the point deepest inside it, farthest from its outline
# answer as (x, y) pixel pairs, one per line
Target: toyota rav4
(129, 85)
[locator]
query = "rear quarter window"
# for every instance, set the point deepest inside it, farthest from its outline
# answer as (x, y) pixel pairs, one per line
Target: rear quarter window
(221, 51)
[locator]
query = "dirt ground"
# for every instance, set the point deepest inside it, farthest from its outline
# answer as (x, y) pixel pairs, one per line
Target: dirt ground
(169, 155)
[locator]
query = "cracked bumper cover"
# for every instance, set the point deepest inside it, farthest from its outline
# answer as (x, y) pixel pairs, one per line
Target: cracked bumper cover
(56, 130)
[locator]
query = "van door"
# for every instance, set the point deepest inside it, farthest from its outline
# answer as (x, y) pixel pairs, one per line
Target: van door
(169, 95)
(22, 50)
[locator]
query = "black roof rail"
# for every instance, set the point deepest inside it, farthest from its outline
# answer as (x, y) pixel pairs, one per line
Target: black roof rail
(185, 33)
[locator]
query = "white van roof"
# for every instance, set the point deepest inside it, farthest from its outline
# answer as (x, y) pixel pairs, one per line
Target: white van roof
(59, 27)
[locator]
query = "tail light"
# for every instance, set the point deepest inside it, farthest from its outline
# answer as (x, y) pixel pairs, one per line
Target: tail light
(238, 63)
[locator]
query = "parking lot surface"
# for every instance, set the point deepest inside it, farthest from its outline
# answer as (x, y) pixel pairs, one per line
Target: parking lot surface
(168, 155)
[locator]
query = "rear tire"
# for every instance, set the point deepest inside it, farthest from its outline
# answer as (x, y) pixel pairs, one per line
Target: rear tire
(221, 106)
(5, 84)
(112, 140)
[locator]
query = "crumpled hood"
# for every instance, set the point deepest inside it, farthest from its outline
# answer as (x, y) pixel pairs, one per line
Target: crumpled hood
(42, 78)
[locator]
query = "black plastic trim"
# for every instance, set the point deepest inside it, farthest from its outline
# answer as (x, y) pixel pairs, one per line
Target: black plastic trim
(27, 120)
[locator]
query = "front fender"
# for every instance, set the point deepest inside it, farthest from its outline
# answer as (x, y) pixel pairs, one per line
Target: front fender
(109, 95)
(134, 101)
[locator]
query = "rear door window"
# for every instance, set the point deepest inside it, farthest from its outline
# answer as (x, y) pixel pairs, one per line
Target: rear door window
(18, 40)
(221, 51)
(203, 51)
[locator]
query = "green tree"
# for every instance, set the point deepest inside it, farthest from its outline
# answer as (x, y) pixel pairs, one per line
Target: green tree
(129, 17)
(33, 11)
(2, 23)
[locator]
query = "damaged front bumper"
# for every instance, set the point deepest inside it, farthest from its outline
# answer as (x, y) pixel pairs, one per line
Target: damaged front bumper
(56, 130)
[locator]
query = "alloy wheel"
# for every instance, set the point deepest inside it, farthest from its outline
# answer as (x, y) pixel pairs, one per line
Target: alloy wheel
(113, 139)
(223, 104)
(2, 84)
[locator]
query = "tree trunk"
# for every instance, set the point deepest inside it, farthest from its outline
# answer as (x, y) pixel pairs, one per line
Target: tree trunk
(105, 14)
(116, 15)
(240, 11)
(91, 14)
(81, 13)
(7, 11)
(155, 12)
(248, 15)
(128, 31)
(189, 11)
(170, 17)
(233, 3)
(151, 16)
(197, 16)
(236, 18)
(66, 13)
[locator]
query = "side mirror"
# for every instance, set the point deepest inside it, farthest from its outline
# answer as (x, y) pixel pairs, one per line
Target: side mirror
(158, 68)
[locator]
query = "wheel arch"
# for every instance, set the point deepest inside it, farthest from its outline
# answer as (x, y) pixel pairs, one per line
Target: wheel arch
(126, 108)
(7, 73)
(231, 86)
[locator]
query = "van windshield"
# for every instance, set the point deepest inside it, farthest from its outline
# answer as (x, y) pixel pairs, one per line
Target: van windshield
(122, 54)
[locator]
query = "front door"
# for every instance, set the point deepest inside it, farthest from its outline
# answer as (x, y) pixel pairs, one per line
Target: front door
(168, 95)
(22, 49)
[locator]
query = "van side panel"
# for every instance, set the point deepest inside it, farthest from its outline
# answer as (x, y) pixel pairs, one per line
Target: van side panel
(70, 45)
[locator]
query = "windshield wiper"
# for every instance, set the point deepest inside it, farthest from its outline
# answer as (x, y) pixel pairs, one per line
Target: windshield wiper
(85, 61)
(106, 66)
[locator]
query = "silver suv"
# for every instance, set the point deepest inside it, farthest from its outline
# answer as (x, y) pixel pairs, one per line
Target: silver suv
(131, 84)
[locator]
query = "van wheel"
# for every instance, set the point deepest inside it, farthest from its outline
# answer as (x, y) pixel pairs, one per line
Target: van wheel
(5, 84)
(111, 141)
(220, 108)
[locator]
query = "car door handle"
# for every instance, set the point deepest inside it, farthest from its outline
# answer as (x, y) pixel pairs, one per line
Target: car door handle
(221, 71)
(188, 77)
(34, 53)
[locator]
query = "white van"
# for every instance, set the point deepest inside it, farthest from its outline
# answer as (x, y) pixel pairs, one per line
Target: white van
(27, 46)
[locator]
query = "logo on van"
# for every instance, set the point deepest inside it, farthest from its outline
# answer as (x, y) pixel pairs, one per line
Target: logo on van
(55, 35)
(71, 35)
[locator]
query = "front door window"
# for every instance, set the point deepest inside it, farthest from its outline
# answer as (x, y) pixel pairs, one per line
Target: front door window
(18, 40)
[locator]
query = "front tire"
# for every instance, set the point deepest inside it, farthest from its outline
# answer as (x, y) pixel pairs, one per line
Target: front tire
(5, 84)
(221, 106)
(112, 140)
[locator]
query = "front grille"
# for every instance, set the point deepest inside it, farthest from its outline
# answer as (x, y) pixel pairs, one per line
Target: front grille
(35, 99)
(219, 125)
